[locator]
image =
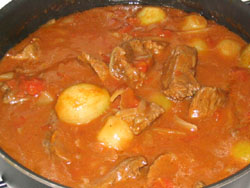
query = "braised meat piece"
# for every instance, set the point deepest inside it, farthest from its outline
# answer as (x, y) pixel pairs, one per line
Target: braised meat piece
(99, 66)
(206, 101)
(126, 59)
(11, 97)
(30, 52)
(121, 67)
(164, 166)
(129, 168)
(141, 117)
(178, 79)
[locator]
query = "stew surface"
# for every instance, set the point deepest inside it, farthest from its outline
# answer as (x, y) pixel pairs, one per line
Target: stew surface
(128, 96)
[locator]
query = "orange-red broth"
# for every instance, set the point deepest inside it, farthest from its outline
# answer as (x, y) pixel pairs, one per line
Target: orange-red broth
(204, 155)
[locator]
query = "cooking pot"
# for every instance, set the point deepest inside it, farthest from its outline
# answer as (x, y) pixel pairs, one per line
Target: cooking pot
(22, 17)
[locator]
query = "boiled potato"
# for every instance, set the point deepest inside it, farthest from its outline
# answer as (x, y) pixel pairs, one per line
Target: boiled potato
(194, 22)
(151, 15)
(229, 47)
(199, 44)
(245, 57)
(81, 103)
(241, 151)
(115, 134)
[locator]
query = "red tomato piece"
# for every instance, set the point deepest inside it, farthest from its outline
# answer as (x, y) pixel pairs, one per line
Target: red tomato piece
(33, 86)
(142, 66)
(165, 33)
(126, 29)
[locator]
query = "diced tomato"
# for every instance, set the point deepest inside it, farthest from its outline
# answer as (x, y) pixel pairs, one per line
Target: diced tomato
(128, 99)
(33, 86)
(126, 29)
(163, 183)
(164, 33)
(105, 58)
(142, 66)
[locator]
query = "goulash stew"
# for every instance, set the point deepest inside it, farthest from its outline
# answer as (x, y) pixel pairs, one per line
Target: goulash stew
(128, 96)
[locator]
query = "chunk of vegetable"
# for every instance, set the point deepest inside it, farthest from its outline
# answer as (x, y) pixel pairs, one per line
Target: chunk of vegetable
(167, 131)
(115, 134)
(161, 100)
(194, 22)
(199, 44)
(245, 57)
(45, 98)
(151, 15)
(81, 103)
(116, 94)
(7, 76)
(50, 22)
(229, 48)
(33, 86)
(241, 151)
(186, 125)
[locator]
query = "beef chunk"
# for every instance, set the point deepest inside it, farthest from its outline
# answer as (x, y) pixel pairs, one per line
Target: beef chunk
(125, 58)
(99, 66)
(11, 98)
(31, 68)
(30, 52)
(164, 166)
(206, 101)
(129, 168)
(141, 117)
(178, 79)
(121, 67)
